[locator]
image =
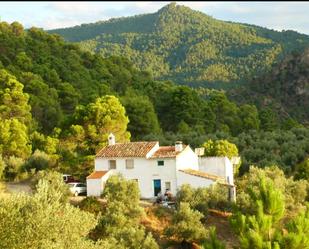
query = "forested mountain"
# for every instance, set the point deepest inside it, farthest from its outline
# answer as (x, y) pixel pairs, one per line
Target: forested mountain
(285, 89)
(186, 46)
(58, 103)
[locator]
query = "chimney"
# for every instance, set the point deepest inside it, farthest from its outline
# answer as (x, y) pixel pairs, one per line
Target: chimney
(178, 146)
(199, 151)
(111, 139)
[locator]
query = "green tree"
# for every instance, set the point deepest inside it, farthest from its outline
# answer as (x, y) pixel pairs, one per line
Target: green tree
(302, 170)
(295, 192)
(213, 242)
(226, 113)
(261, 229)
(13, 167)
(39, 160)
(43, 221)
(182, 104)
(250, 117)
(269, 119)
(121, 219)
(13, 101)
(2, 166)
(186, 226)
(44, 101)
(142, 116)
(14, 139)
(56, 185)
(102, 117)
(297, 235)
(220, 148)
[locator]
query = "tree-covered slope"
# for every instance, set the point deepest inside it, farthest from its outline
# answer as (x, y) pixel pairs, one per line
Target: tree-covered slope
(58, 104)
(188, 46)
(285, 89)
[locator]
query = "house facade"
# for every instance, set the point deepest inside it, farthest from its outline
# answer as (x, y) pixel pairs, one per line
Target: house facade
(155, 168)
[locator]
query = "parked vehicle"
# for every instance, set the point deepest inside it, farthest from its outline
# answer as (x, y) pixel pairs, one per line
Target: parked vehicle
(77, 188)
(68, 178)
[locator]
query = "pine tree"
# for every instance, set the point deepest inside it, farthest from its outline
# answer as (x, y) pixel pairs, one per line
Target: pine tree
(261, 229)
(213, 242)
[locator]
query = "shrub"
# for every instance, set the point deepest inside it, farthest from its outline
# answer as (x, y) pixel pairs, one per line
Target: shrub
(13, 167)
(213, 242)
(294, 191)
(39, 160)
(186, 225)
(200, 199)
(56, 183)
(91, 205)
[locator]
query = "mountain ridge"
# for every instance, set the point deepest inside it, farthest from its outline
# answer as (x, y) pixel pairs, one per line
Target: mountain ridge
(188, 47)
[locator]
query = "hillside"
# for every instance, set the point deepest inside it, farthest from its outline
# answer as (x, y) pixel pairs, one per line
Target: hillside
(285, 89)
(187, 46)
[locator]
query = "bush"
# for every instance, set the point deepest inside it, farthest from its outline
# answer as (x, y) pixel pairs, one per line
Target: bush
(13, 167)
(200, 199)
(43, 221)
(91, 205)
(2, 167)
(39, 160)
(213, 242)
(56, 183)
(295, 192)
(121, 218)
(186, 225)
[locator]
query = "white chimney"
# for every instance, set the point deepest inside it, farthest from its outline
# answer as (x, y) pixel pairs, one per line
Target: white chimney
(111, 139)
(178, 146)
(199, 151)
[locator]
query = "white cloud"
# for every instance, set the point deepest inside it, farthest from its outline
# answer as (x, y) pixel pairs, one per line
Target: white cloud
(275, 15)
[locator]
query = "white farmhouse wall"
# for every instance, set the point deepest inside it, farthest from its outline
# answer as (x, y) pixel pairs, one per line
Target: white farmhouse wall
(100, 164)
(187, 159)
(194, 181)
(145, 171)
(220, 166)
(95, 187)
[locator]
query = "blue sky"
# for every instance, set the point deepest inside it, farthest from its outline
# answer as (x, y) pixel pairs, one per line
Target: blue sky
(49, 15)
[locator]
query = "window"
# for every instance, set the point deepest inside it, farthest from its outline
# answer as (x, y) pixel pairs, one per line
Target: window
(129, 164)
(160, 163)
(81, 185)
(168, 186)
(112, 164)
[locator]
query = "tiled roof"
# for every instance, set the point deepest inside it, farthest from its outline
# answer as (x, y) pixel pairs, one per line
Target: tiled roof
(132, 149)
(201, 174)
(166, 151)
(97, 175)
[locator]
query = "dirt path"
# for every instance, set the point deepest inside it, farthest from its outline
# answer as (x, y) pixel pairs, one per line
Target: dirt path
(18, 187)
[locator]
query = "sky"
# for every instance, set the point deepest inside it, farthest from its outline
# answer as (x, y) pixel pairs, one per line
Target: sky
(51, 15)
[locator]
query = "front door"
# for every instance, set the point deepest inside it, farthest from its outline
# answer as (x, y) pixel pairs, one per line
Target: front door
(156, 186)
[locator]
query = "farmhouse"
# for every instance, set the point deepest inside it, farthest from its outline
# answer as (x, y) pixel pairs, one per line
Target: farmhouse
(156, 168)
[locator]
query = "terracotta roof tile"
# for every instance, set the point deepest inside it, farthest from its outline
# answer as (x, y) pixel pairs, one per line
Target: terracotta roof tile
(97, 174)
(202, 174)
(132, 149)
(166, 151)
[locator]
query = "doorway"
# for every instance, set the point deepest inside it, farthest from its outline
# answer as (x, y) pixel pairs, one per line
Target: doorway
(156, 186)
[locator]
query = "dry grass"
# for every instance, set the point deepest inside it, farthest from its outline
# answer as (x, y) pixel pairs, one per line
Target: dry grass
(223, 228)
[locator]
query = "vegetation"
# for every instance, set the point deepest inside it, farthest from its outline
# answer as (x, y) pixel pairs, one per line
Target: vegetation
(187, 46)
(186, 225)
(281, 92)
(43, 221)
(220, 148)
(57, 115)
(120, 221)
(264, 227)
(58, 103)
